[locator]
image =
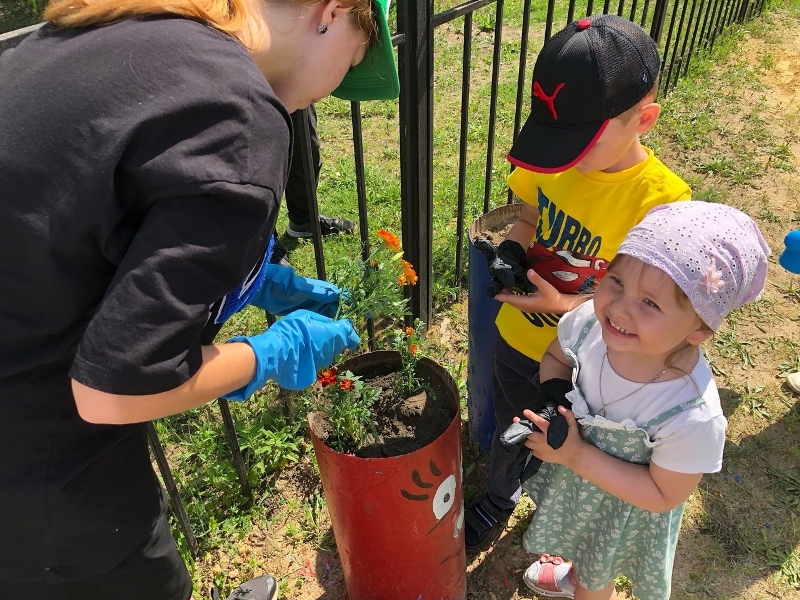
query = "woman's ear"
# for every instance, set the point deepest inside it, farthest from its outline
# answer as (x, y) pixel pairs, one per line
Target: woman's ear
(648, 115)
(330, 9)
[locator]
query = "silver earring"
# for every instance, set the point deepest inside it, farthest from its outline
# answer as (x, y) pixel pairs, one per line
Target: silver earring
(323, 27)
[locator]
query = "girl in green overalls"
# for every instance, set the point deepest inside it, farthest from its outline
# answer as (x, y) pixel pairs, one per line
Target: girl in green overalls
(646, 421)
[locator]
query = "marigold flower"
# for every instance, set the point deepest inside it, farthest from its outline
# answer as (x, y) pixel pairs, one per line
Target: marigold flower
(389, 239)
(347, 385)
(328, 376)
(409, 331)
(409, 276)
(412, 348)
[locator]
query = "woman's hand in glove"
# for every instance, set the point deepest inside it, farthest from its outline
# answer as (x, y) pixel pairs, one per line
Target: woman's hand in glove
(284, 291)
(293, 350)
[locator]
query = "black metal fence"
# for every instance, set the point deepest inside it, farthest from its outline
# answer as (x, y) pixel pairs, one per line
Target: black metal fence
(682, 29)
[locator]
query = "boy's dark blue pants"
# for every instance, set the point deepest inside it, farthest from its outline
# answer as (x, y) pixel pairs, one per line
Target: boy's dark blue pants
(515, 387)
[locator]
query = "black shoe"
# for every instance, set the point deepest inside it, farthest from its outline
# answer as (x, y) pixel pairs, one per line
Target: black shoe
(260, 588)
(327, 226)
(279, 253)
(484, 522)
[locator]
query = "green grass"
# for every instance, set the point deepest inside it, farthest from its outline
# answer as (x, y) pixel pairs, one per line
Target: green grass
(15, 14)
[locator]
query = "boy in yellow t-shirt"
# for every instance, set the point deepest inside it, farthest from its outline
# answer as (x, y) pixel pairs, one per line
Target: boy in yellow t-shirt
(585, 179)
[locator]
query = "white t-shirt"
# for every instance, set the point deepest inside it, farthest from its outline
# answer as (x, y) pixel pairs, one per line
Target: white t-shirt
(689, 442)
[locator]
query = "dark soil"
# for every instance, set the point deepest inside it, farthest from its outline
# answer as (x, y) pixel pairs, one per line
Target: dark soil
(404, 423)
(496, 237)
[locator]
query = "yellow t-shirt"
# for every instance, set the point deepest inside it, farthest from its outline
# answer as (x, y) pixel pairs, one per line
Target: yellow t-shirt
(588, 214)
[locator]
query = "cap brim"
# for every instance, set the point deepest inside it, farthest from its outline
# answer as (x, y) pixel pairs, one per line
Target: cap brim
(375, 77)
(546, 149)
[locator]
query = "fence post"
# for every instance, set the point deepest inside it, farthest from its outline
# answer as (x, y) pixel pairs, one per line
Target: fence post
(415, 64)
(659, 14)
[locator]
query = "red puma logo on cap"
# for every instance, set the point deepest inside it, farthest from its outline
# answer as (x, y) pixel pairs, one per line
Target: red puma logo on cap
(538, 92)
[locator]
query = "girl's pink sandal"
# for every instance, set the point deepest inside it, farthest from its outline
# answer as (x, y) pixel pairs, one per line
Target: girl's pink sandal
(550, 576)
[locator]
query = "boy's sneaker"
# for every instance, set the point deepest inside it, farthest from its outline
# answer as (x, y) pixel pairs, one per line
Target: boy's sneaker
(327, 226)
(483, 523)
(260, 588)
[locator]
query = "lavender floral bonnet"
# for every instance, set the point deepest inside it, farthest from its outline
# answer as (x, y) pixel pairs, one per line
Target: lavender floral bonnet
(715, 254)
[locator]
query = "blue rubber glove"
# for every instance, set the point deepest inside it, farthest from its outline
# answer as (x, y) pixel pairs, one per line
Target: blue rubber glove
(790, 257)
(284, 291)
(294, 349)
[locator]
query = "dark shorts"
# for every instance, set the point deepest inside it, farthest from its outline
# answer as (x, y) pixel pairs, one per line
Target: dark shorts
(154, 571)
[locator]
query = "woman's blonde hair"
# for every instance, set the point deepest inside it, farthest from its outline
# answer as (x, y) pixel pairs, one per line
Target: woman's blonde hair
(230, 16)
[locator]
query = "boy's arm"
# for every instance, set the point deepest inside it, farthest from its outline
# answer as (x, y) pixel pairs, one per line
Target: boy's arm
(547, 298)
(524, 230)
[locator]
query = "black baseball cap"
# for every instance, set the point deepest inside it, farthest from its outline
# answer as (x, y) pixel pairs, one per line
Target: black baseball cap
(590, 72)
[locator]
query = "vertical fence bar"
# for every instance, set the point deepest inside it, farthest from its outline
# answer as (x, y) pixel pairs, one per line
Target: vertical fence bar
(723, 23)
(717, 23)
(589, 8)
(570, 12)
(684, 57)
(548, 26)
(668, 42)
(707, 20)
(415, 64)
(361, 195)
(677, 42)
(659, 14)
(620, 8)
(697, 23)
(632, 15)
(741, 11)
(462, 145)
(236, 451)
(498, 38)
(522, 90)
(302, 136)
(172, 488)
(645, 10)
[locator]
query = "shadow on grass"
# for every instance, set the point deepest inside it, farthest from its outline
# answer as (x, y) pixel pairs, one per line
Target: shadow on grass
(745, 520)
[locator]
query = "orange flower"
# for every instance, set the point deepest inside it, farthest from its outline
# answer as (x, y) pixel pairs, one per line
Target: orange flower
(412, 348)
(409, 331)
(347, 385)
(389, 239)
(409, 276)
(328, 376)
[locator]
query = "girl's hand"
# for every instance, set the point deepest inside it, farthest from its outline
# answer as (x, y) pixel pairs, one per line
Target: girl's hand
(537, 441)
(546, 298)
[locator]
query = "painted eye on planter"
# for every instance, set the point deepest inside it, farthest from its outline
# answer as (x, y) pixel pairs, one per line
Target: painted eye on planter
(444, 497)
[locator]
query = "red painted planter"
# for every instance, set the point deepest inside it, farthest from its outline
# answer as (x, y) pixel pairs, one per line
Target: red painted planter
(398, 521)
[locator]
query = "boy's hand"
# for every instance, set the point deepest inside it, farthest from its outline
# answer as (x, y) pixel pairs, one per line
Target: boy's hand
(546, 299)
(537, 441)
(506, 266)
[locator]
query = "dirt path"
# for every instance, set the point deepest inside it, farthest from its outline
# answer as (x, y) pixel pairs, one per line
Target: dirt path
(737, 523)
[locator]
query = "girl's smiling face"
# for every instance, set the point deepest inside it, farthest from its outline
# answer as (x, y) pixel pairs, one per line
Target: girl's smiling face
(639, 309)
